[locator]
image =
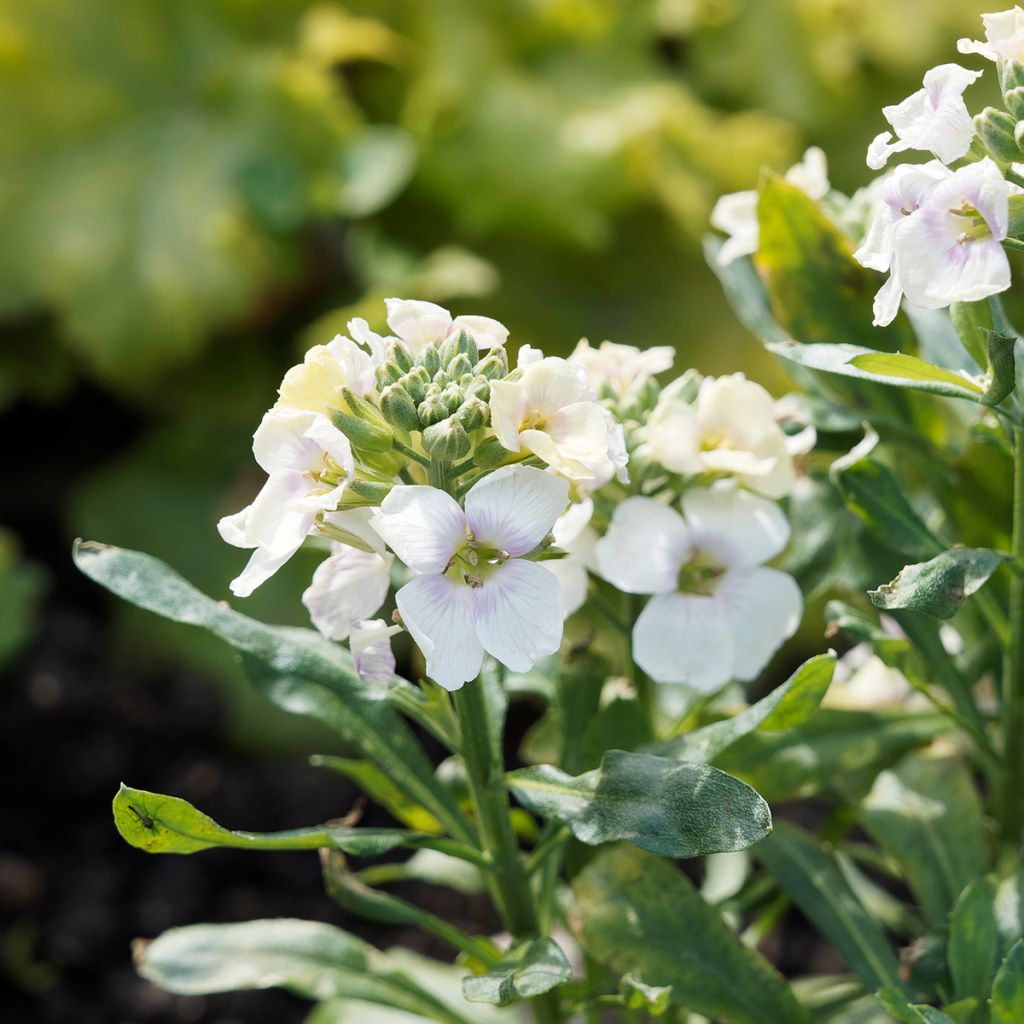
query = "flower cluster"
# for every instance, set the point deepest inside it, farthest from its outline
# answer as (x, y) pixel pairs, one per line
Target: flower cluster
(497, 499)
(939, 229)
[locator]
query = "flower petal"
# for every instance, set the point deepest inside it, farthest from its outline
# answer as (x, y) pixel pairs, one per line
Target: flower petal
(485, 332)
(348, 586)
(765, 606)
(684, 638)
(518, 612)
(644, 548)
(438, 613)
(515, 507)
(280, 442)
(418, 323)
(422, 525)
(370, 644)
(737, 527)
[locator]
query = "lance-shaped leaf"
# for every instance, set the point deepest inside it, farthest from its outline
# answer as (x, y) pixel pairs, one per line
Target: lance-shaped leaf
(309, 958)
(940, 586)
(787, 706)
(167, 824)
(973, 949)
(814, 881)
(528, 969)
(672, 808)
(890, 368)
(925, 813)
(638, 914)
(1007, 1003)
(1002, 367)
(296, 669)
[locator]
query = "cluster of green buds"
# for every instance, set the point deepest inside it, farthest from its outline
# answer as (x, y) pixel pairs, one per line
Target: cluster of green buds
(442, 393)
(1001, 132)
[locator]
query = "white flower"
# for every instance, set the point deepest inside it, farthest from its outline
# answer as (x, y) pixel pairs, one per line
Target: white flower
(370, 644)
(551, 411)
(736, 213)
(348, 586)
(618, 367)
(903, 191)
(717, 613)
(418, 324)
(308, 462)
(730, 428)
(1004, 37)
(572, 533)
(934, 118)
(949, 249)
(475, 591)
(315, 385)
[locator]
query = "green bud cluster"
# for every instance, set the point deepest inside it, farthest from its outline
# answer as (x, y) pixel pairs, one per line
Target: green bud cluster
(443, 393)
(998, 132)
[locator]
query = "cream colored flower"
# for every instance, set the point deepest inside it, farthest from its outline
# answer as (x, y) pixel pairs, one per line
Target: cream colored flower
(730, 429)
(315, 385)
(551, 412)
(616, 368)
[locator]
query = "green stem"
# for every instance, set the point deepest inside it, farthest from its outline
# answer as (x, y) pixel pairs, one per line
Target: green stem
(1014, 243)
(1011, 811)
(481, 752)
(1012, 175)
(409, 453)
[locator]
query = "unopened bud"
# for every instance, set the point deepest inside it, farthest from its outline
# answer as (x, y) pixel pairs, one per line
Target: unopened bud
(446, 441)
(387, 373)
(996, 129)
(429, 359)
(1014, 100)
(415, 383)
(398, 408)
(490, 453)
(458, 344)
(452, 397)
(1011, 76)
(473, 414)
(432, 409)
(363, 493)
(494, 365)
(399, 354)
(460, 366)
(363, 423)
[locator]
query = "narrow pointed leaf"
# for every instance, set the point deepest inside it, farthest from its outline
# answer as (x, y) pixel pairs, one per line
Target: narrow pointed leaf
(940, 586)
(309, 958)
(529, 969)
(787, 706)
(167, 824)
(812, 878)
(903, 370)
(672, 808)
(636, 913)
(296, 669)
(1007, 1002)
(925, 813)
(973, 941)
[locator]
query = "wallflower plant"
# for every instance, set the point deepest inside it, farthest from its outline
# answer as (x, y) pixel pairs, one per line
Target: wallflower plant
(624, 554)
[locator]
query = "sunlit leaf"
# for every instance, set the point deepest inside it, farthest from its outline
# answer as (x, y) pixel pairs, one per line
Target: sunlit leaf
(529, 969)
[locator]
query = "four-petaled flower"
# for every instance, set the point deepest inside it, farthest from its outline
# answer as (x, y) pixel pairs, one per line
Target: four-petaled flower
(308, 462)
(615, 368)
(418, 324)
(1004, 37)
(934, 118)
(717, 612)
(475, 591)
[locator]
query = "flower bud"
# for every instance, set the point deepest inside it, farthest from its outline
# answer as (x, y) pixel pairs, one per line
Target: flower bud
(473, 414)
(399, 354)
(478, 387)
(363, 493)
(1011, 77)
(446, 441)
(398, 407)
(430, 360)
(460, 366)
(490, 453)
(432, 409)
(452, 397)
(456, 345)
(996, 130)
(363, 423)
(1014, 100)
(494, 365)
(387, 373)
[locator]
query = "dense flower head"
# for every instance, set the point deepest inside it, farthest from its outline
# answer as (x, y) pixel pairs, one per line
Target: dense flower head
(484, 490)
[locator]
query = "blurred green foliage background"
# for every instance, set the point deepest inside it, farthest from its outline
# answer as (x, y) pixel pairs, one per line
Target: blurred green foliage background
(193, 192)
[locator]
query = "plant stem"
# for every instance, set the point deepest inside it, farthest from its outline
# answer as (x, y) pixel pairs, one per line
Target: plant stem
(1011, 815)
(481, 752)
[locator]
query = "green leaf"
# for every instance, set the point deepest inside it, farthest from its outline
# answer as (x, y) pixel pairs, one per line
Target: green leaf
(925, 813)
(837, 751)
(529, 969)
(1002, 367)
(787, 706)
(814, 881)
(1009, 910)
(940, 586)
(1007, 1003)
(652, 999)
(973, 941)
(818, 291)
(636, 913)
(296, 669)
(381, 790)
(891, 369)
(309, 958)
(672, 808)
(901, 370)
(167, 824)
(745, 292)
